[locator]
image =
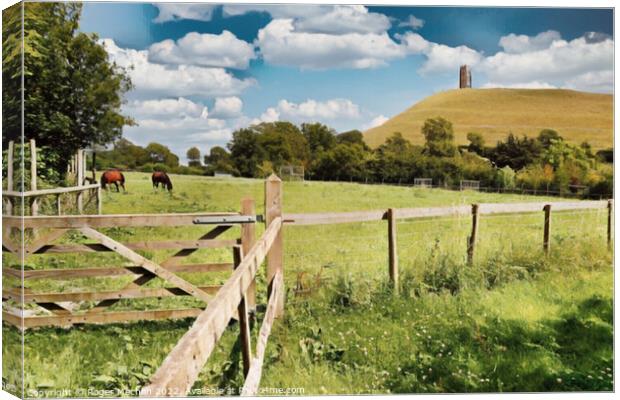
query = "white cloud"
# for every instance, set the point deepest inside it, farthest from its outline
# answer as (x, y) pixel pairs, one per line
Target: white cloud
(311, 111)
(599, 81)
(337, 19)
(227, 107)
(516, 44)
(280, 44)
(176, 11)
(156, 80)
(317, 110)
(166, 108)
(524, 85)
(439, 57)
(223, 50)
(344, 19)
(376, 121)
(560, 62)
(412, 22)
(540, 61)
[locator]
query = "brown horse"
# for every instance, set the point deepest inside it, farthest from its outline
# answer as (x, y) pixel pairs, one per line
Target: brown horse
(113, 176)
(163, 178)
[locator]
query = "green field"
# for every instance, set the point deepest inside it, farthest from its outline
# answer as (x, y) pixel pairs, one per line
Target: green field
(577, 116)
(513, 321)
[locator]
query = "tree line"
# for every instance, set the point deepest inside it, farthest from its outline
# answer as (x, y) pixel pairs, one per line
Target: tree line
(544, 162)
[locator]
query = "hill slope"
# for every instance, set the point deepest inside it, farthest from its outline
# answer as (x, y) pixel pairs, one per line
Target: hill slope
(577, 116)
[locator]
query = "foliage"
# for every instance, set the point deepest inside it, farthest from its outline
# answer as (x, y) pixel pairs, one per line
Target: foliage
(193, 157)
(439, 136)
(72, 92)
(159, 153)
(476, 142)
(516, 152)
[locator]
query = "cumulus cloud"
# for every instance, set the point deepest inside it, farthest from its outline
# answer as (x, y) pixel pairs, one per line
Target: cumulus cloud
(177, 11)
(544, 60)
(559, 62)
(311, 111)
(227, 107)
(223, 50)
(344, 19)
(523, 85)
(336, 19)
(180, 107)
(376, 121)
(157, 80)
(516, 44)
(439, 57)
(280, 44)
(599, 81)
(412, 22)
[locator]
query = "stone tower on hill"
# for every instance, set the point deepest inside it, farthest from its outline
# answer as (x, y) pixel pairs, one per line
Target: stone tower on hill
(464, 77)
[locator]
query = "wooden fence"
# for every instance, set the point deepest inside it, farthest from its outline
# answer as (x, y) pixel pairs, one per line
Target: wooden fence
(31, 198)
(474, 210)
(235, 298)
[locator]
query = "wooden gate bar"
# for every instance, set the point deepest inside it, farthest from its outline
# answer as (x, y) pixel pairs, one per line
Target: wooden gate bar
(181, 367)
(15, 294)
(79, 273)
(252, 380)
(171, 261)
(147, 264)
(97, 247)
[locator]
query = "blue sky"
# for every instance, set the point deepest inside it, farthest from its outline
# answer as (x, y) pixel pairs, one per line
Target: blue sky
(201, 71)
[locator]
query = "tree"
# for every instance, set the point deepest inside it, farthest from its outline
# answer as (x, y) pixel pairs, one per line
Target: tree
(547, 136)
(352, 137)
(72, 92)
(158, 153)
(193, 157)
(516, 152)
(219, 160)
(439, 137)
(319, 137)
(476, 143)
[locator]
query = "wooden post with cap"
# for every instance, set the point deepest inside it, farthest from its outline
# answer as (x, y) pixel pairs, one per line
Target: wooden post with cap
(248, 238)
(275, 256)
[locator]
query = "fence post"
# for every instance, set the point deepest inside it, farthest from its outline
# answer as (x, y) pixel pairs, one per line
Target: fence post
(471, 241)
(58, 204)
(248, 237)
(273, 210)
(99, 200)
(610, 206)
(392, 249)
(546, 244)
(80, 177)
(9, 178)
(244, 321)
(33, 176)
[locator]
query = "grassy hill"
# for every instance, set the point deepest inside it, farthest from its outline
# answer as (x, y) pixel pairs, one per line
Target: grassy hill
(577, 116)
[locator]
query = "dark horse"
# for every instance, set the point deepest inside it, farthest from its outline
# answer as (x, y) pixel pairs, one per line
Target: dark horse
(113, 176)
(163, 178)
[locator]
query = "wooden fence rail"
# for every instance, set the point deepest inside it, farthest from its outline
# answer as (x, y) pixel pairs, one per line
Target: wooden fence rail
(475, 210)
(10, 196)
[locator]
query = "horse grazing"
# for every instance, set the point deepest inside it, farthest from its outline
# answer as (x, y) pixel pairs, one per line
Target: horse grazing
(113, 176)
(163, 178)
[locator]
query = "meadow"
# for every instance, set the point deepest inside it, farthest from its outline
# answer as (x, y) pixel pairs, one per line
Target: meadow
(515, 320)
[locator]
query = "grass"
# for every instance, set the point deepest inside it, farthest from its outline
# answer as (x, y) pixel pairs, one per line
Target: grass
(515, 321)
(577, 116)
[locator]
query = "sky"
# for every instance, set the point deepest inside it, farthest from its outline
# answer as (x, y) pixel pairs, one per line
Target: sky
(201, 71)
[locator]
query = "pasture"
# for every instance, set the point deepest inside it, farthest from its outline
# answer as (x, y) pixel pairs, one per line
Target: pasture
(513, 321)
